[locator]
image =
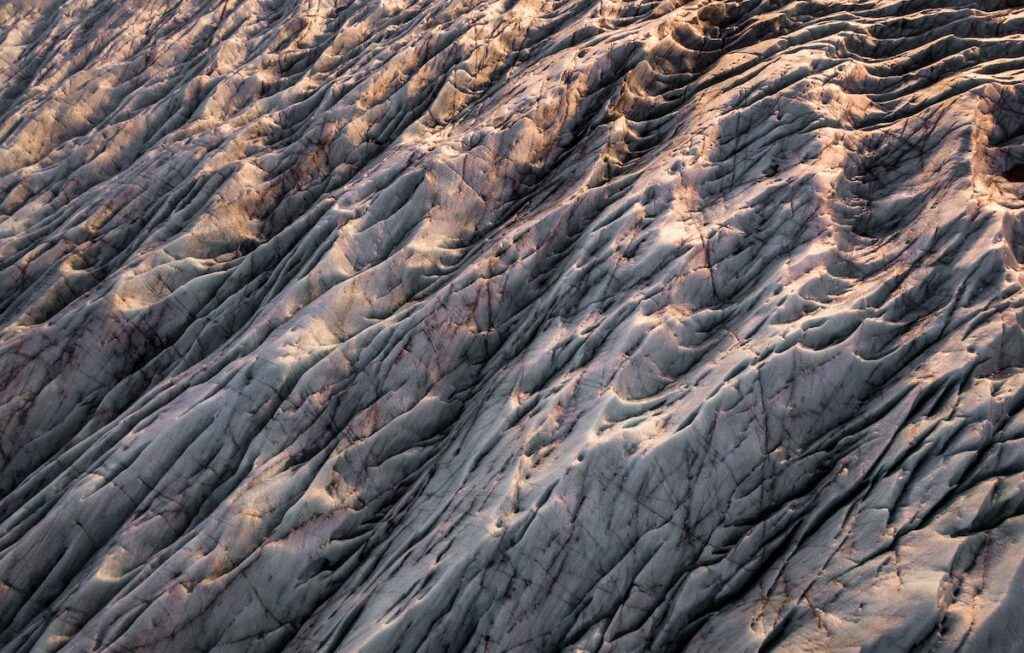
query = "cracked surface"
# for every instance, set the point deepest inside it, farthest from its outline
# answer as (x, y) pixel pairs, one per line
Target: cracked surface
(508, 325)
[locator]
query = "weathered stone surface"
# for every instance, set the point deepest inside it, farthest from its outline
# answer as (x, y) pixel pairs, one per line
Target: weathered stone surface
(395, 325)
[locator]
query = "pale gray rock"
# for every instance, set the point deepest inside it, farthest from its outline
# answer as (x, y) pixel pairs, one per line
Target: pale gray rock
(498, 325)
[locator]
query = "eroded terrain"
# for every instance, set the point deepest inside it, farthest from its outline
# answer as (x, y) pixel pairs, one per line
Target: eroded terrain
(537, 325)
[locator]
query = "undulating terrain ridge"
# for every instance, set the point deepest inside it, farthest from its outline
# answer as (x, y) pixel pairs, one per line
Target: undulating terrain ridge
(511, 325)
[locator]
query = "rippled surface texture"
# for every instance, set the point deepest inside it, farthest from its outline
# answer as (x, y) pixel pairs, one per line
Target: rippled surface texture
(497, 325)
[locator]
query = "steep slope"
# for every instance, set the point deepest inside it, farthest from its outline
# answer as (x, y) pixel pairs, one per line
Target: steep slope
(603, 325)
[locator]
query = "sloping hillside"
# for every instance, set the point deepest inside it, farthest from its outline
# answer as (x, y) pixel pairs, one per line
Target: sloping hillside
(498, 325)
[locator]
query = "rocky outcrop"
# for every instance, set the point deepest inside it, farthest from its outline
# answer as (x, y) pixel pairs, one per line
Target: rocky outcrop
(603, 325)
